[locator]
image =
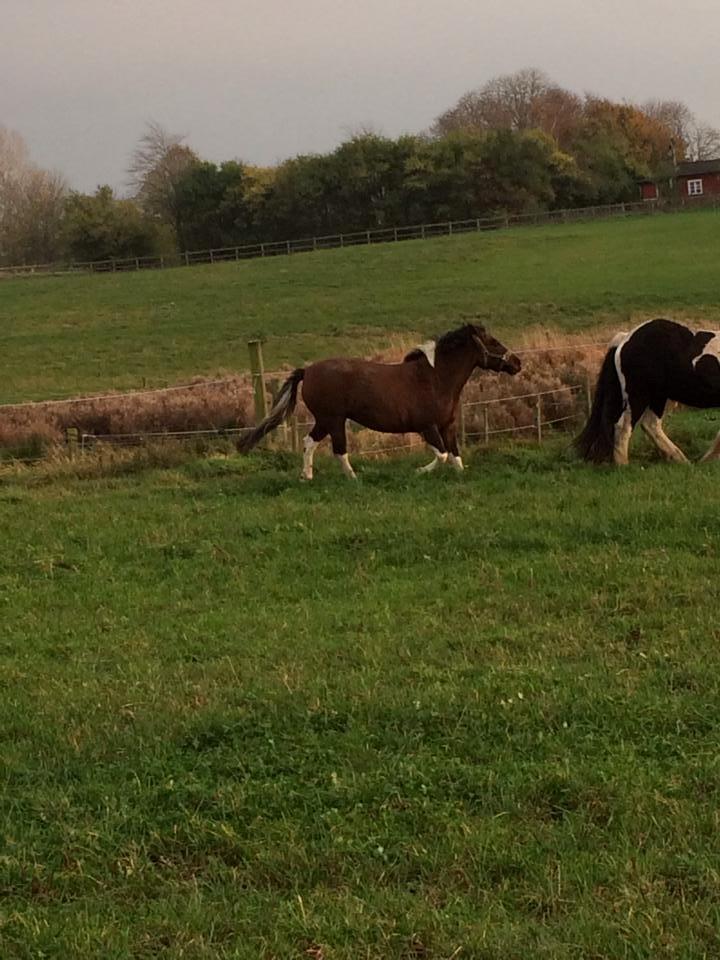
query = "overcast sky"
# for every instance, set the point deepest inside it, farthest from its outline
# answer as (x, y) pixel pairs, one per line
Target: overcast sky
(262, 80)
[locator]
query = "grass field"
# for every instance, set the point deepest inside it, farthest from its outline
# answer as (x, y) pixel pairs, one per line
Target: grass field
(62, 336)
(410, 718)
(429, 717)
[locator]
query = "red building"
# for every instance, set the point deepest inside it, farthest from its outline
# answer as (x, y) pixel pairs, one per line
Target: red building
(694, 179)
(698, 178)
(648, 190)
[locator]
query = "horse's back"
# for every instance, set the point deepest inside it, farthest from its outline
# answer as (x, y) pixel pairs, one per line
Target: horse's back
(668, 358)
(383, 396)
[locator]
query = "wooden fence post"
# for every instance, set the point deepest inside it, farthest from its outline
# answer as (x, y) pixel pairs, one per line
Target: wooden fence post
(538, 418)
(588, 396)
(72, 439)
(274, 386)
(486, 425)
(294, 433)
(257, 371)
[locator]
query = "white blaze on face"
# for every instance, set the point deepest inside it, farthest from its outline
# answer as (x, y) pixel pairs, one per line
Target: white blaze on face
(428, 348)
(711, 348)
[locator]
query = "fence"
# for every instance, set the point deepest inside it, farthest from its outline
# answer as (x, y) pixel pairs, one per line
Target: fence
(288, 436)
(423, 231)
(478, 421)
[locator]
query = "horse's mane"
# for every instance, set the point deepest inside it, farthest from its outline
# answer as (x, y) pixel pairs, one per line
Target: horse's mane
(446, 343)
(454, 339)
(415, 354)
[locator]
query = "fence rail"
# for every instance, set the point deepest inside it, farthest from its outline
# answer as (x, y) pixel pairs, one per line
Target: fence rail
(88, 441)
(574, 400)
(421, 231)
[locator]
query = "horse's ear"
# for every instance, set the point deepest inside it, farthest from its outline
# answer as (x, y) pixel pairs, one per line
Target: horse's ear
(478, 329)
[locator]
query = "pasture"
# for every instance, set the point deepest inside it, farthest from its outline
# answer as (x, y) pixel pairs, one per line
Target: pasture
(412, 717)
(68, 335)
(434, 717)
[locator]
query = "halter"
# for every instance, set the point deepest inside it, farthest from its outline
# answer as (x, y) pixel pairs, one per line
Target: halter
(490, 356)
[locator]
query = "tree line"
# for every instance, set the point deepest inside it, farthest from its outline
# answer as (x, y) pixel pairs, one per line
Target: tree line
(519, 144)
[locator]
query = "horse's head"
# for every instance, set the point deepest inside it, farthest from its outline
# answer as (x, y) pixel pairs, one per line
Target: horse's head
(491, 354)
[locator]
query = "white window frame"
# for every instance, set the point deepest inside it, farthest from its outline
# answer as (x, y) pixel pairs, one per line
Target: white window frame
(695, 187)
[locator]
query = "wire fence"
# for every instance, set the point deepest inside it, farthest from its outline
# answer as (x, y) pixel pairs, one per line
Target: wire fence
(421, 231)
(287, 438)
(480, 420)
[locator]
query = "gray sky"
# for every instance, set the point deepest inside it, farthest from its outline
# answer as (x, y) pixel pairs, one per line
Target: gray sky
(266, 80)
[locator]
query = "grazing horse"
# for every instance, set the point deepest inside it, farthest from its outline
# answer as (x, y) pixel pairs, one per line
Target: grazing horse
(659, 361)
(420, 395)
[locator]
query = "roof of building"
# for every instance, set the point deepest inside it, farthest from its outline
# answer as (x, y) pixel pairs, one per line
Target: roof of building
(692, 168)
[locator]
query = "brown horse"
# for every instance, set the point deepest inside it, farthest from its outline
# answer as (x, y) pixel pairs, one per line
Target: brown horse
(420, 395)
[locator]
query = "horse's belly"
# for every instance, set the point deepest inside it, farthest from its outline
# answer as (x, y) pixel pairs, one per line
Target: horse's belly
(385, 400)
(384, 421)
(700, 387)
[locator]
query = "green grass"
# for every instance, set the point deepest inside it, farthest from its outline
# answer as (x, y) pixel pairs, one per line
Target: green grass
(61, 336)
(411, 717)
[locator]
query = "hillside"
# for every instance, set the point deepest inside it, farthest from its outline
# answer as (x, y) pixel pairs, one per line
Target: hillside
(67, 335)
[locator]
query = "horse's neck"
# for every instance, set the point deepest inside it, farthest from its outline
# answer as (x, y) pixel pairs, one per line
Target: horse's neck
(454, 372)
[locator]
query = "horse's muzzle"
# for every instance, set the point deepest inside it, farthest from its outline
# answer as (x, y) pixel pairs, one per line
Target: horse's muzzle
(511, 364)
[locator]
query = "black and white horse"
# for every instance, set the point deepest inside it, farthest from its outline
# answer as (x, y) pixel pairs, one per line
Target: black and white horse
(659, 361)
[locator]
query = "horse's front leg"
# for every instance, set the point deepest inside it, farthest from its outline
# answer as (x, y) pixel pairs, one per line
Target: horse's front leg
(714, 451)
(651, 423)
(436, 443)
(449, 436)
(339, 445)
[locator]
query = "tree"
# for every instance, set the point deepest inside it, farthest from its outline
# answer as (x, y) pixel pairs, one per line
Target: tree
(703, 141)
(31, 205)
(157, 165)
(676, 117)
(211, 205)
(693, 138)
(101, 227)
(524, 100)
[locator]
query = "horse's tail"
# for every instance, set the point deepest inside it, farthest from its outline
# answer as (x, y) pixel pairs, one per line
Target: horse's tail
(282, 409)
(597, 440)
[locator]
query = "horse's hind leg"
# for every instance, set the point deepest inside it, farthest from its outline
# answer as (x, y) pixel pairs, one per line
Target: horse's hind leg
(339, 445)
(621, 443)
(634, 406)
(316, 435)
(651, 423)
(437, 445)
